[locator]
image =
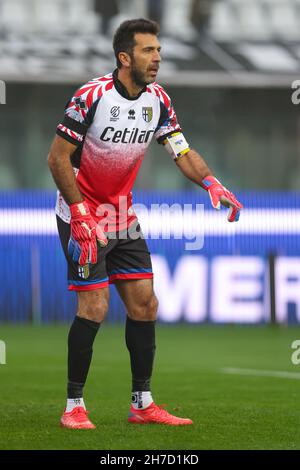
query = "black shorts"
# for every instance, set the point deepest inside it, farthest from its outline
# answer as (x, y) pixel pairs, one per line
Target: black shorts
(123, 258)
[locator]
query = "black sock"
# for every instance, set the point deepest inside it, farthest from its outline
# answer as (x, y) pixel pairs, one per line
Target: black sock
(80, 343)
(140, 341)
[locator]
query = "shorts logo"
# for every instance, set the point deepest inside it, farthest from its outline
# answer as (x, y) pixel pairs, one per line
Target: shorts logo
(84, 271)
(115, 113)
(147, 113)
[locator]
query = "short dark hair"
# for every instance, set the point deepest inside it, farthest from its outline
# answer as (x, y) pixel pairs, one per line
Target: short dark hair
(124, 36)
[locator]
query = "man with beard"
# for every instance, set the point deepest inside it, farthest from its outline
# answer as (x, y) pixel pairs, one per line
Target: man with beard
(94, 160)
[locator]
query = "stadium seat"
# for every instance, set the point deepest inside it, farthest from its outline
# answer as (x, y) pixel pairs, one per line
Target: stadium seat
(78, 9)
(64, 16)
(253, 20)
(23, 16)
(176, 21)
(284, 17)
(224, 26)
(261, 20)
(15, 16)
(269, 57)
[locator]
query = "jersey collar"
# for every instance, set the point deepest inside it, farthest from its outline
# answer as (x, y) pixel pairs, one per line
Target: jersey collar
(123, 90)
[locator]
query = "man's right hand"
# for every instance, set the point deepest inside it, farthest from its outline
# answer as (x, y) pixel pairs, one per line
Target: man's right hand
(84, 235)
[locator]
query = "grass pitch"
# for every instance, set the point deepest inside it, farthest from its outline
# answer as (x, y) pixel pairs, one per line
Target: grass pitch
(230, 411)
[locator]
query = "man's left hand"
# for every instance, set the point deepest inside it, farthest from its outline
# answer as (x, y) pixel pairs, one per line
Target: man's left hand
(220, 195)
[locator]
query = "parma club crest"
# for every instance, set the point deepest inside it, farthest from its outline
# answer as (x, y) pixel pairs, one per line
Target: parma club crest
(84, 271)
(147, 113)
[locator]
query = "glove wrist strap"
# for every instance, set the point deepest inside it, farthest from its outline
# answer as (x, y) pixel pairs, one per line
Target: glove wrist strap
(79, 209)
(208, 181)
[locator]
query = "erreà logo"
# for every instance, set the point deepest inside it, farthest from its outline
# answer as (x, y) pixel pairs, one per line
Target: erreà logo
(126, 136)
(131, 114)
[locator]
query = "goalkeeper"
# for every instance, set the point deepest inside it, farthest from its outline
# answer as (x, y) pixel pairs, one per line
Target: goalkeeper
(94, 159)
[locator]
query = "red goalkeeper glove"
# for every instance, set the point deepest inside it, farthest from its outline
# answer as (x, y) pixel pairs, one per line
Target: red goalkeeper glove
(220, 195)
(84, 235)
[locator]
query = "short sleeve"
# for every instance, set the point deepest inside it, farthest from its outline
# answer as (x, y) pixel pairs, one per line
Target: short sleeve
(79, 113)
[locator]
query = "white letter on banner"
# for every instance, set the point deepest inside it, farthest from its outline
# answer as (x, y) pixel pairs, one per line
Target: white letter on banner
(287, 282)
(2, 92)
(296, 354)
(235, 286)
(2, 352)
(296, 94)
(184, 295)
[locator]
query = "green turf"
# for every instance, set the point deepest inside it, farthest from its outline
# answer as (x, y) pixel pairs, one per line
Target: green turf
(229, 412)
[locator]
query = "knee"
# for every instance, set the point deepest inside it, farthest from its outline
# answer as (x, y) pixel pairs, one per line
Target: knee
(145, 310)
(94, 311)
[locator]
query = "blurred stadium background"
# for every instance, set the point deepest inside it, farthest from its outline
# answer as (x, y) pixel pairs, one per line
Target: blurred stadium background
(229, 66)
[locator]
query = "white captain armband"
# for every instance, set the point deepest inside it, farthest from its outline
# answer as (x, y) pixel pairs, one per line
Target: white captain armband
(176, 145)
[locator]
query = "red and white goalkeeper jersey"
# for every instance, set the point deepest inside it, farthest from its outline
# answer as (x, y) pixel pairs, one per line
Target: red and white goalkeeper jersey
(112, 132)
